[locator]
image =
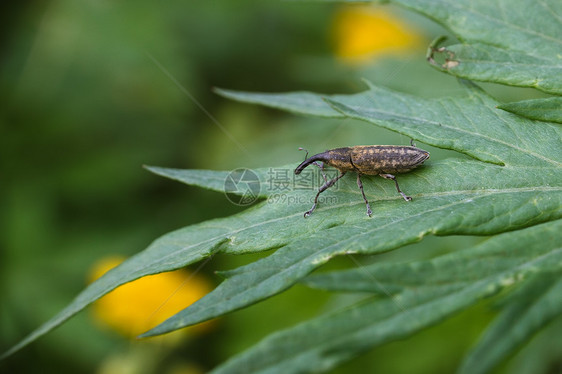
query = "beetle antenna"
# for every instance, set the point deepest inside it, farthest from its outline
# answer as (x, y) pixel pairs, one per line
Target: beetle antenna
(303, 149)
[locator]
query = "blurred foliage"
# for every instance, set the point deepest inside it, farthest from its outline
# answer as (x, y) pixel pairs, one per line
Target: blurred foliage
(87, 99)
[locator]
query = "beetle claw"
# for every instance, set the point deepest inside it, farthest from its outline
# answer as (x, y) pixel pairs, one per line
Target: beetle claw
(309, 212)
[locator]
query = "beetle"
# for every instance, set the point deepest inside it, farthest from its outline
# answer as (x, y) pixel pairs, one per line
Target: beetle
(382, 160)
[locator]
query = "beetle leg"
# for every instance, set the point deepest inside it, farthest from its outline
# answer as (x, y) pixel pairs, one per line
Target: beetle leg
(392, 177)
(320, 165)
(411, 143)
(360, 185)
(326, 185)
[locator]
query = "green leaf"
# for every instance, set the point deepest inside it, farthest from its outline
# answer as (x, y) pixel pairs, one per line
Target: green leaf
(451, 197)
(542, 352)
(250, 231)
(450, 123)
(514, 43)
(491, 64)
(210, 179)
(549, 110)
(537, 303)
(297, 102)
(514, 183)
(172, 251)
(416, 295)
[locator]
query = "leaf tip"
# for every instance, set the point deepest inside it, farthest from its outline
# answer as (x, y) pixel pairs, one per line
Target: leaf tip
(337, 106)
(157, 330)
(154, 169)
(220, 91)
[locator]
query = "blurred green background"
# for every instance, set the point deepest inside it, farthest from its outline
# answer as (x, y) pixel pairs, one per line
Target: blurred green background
(93, 90)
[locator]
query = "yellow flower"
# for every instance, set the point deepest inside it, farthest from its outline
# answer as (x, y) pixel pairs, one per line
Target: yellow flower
(136, 307)
(363, 33)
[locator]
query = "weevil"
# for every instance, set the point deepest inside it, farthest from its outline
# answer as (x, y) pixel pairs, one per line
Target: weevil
(382, 160)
